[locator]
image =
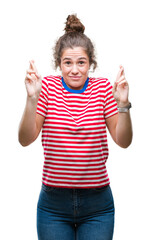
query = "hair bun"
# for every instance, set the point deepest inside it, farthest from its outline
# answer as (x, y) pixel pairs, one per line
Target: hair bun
(73, 24)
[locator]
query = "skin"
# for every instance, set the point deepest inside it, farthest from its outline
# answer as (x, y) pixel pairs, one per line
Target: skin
(31, 122)
(74, 66)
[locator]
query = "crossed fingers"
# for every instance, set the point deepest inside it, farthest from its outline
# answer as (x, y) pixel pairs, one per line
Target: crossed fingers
(32, 73)
(121, 77)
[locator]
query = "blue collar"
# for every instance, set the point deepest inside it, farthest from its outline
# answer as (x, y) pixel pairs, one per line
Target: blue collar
(73, 90)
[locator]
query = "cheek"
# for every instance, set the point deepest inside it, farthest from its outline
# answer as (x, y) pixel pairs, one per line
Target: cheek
(86, 70)
(63, 68)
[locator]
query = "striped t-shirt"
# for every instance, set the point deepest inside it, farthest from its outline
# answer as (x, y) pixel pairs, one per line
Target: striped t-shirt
(74, 134)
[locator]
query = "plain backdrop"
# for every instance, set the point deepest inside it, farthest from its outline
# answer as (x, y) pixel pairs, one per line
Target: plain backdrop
(120, 31)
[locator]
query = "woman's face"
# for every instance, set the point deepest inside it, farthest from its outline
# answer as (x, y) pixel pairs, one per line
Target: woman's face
(75, 66)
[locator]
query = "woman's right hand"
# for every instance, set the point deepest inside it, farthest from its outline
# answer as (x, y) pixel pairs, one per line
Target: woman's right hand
(33, 81)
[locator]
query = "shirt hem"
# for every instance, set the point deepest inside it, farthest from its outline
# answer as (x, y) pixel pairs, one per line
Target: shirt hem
(76, 187)
(111, 115)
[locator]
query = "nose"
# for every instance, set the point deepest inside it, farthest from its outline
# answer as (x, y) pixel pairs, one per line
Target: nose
(74, 69)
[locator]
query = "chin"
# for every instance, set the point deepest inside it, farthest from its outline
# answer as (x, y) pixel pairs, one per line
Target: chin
(76, 86)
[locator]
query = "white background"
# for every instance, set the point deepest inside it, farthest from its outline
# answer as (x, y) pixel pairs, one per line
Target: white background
(121, 33)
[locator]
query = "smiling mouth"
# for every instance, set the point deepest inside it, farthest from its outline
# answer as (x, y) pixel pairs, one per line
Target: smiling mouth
(75, 77)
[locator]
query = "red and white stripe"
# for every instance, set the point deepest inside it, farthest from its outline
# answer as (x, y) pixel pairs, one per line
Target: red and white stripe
(74, 134)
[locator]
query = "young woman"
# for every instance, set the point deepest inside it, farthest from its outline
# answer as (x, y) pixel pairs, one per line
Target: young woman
(73, 111)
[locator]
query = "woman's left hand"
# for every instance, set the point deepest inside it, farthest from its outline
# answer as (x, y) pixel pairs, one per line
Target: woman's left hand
(121, 89)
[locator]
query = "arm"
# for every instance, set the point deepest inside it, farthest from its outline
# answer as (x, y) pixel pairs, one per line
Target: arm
(119, 125)
(31, 122)
(120, 128)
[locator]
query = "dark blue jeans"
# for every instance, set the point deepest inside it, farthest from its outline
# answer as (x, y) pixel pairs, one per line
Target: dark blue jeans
(75, 214)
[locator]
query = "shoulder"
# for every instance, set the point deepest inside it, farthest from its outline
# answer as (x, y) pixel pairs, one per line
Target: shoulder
(49, 81)
(99, 82)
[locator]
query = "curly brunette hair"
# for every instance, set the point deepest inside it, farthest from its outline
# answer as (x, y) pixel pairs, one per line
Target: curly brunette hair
(74, 37)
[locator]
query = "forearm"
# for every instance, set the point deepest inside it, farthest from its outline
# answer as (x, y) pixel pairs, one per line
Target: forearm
(27, 128)
(124, 130)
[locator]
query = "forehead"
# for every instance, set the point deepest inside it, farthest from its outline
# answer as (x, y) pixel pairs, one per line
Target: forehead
(76, 52)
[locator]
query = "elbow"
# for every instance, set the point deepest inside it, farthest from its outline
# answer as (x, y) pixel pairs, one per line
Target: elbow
(124, 144)
(23, 142)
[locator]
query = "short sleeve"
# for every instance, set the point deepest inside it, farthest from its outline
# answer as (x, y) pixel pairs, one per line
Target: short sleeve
(110, 107)
(42, 104)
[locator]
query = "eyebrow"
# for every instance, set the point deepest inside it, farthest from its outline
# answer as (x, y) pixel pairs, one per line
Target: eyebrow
(80, 58)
